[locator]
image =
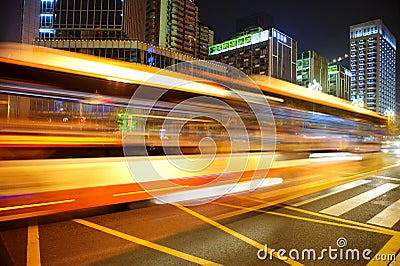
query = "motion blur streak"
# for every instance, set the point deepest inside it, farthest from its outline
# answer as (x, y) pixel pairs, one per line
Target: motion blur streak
(36, 205)
(204, 193)
(63, 117)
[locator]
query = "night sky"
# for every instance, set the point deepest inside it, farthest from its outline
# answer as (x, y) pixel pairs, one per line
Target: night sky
(319, 25)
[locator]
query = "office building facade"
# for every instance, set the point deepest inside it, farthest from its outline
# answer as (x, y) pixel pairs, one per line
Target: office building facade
(339, 81)
(312, 70)
(132, 51)
(206, 39)
(92, 20)
(265, 52)
(173, 24)
(20, 21)
(106, 28)
(373, 66)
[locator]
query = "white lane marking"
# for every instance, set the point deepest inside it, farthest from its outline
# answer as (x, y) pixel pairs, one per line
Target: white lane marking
(347, 205)
(33, 246)
(387, 178)
(388, 217)
(337, 190)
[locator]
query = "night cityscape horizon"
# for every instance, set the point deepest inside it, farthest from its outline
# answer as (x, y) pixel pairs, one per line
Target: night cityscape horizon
(174, 132)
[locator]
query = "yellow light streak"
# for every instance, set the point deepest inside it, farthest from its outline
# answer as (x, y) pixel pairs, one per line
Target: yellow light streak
(36, 205)
(147, 191)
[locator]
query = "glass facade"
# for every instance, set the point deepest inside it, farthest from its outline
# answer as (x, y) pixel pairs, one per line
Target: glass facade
(92, 19)
(373, 70)
(129, 51)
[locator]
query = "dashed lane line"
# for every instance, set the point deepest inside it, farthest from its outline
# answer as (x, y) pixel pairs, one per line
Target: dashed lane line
(146, 243)
(33, 246)
(237, 235)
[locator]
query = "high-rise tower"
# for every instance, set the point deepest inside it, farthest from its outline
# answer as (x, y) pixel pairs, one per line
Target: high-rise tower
(173, 24)
(373, 66)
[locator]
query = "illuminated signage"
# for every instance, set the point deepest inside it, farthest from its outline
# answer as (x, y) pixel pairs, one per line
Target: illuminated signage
(279, 36)
(238, 42)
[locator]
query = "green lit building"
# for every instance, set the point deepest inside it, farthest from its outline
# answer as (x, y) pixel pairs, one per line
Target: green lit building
(339, 81)
(312, 70)
(265, 52)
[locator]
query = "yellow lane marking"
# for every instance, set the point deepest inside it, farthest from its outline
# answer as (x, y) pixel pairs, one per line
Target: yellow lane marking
(298, 217)
(146, 191)
(146, 243)
(391, 247)
(236, 234)
(33, 247)
(321, 215)
(36, 205)
(396, 261)
(381, 229)
(261, 206)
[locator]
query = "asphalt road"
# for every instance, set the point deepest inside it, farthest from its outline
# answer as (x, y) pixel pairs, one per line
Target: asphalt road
(329, 213)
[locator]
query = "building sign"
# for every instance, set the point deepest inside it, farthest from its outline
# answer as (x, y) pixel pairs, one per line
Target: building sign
(238, 42)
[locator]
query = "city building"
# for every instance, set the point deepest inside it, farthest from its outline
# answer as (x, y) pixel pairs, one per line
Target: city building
(92, 20)
(173, 24)
(133, 51)
(107, 28)
(339, 81)
(206, 39)
(265, 52)
(373, 66)
(19, 21)
(312, 70)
